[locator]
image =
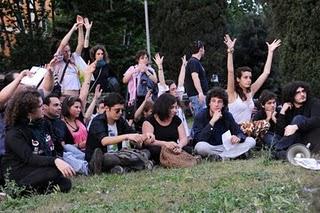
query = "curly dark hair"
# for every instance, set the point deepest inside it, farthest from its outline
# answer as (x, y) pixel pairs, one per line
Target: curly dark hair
(289, 90)
(217, 92)
(94, 49)
(23, 103)
(239, 90)
(162, 105)
(67, 103)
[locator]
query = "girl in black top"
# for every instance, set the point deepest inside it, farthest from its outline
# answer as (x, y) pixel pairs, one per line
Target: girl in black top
(30, 157)
(166, 126)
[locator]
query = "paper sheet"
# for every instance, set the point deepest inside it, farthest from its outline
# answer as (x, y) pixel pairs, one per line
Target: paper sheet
(226, 140)
(36, 77)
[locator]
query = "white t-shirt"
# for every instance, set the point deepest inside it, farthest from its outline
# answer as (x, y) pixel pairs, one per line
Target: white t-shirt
(112, 131)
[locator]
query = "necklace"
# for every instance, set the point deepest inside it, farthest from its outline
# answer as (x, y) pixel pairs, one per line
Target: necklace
(74, 129)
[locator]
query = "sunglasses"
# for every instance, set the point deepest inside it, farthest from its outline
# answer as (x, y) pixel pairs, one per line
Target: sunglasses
(118, 110)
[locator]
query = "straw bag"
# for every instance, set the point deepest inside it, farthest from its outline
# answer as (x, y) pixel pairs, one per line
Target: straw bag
(170, 159)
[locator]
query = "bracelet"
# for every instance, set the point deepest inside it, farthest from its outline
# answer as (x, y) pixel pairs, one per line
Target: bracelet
(230, 50)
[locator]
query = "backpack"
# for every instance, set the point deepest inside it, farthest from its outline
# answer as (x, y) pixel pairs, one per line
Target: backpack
(146, 84)
(135, 159)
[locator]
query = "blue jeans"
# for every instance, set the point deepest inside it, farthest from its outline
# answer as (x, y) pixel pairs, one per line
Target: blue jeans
(270, 139)
(287, 141)
(75, 158)
(196, 105)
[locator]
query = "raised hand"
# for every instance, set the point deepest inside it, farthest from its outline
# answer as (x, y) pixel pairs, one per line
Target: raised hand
(91, 67)
(148, 96)
(97, 92)
(87, 24)
(79, 19)
(158, 60)
(229, 42)
(276, 43)
(75, 26)
(184, 60)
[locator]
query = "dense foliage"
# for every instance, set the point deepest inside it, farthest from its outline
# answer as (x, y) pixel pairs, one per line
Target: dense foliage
(297, 23)
(120, 26)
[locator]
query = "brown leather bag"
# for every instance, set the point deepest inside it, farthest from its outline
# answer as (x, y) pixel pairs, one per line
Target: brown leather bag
(170, 159)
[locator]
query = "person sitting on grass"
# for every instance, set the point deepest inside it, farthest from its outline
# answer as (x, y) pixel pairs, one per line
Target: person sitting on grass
(169, 86)
(240, 88)
(299, 119)
(166, 126)
(268, 112)
(209, 125)
(108, 134)
(30, 158)
(144, 110)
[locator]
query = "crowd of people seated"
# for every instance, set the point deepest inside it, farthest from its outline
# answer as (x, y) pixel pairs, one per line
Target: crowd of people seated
(58, 130)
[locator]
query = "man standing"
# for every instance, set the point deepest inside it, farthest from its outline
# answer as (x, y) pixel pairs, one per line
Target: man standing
(196, 83)
(109, 131)
(299, 118)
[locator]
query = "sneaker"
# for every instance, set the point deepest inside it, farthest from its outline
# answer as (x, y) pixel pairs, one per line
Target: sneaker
(214, 157)
(95, 164)
(149, 165)
(117, 170)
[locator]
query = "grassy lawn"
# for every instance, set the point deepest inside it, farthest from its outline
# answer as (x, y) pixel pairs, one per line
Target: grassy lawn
(256, 185)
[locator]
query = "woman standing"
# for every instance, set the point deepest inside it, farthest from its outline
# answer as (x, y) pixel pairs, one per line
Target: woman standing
(30, 156)
(241, 91)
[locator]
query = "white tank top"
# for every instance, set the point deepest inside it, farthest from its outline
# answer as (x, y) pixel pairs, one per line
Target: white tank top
(241, 110)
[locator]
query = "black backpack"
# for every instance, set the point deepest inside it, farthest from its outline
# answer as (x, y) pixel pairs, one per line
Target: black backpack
(135, 159)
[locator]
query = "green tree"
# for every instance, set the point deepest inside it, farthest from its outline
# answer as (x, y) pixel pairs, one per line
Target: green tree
(297, 23)
(177, 23)
(28, 20)
(247, 21)
(119, 25)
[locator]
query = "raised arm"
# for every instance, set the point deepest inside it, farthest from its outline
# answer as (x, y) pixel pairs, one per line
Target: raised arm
(267, 67)
(182, 73)
(139, 111)
(230, 85)
(159, 61)
(89, 111)
(80, 35)
(7, 91)
(67, 37)
(88, 26)
(84, 91)
(48, 80)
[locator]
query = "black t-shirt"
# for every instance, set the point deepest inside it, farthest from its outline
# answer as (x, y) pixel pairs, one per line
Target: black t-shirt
(165, 133)
(194, 65)
(99, 129)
